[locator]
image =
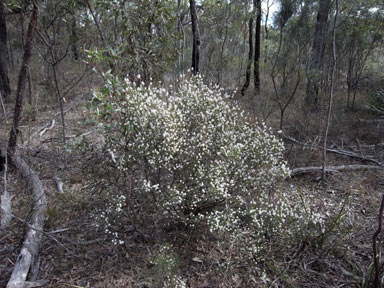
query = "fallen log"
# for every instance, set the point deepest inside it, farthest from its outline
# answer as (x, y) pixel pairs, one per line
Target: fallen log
(27, 259)
(333, 169)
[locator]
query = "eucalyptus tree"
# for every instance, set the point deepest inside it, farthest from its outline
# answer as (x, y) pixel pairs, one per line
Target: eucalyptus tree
(13, 135)
(196, 37)
(250, 57)
(288, 58)
(137, 37)
(254, 49)
(222, 45)
(314, 76)
(361, 28)
(256, 65)
(332, 88)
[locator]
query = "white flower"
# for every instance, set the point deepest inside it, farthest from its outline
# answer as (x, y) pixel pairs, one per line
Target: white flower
(195, 150)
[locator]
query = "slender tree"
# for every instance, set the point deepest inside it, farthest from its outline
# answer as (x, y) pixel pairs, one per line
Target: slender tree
(333, 69)
(254, 50)
(74, 37)
(196, 37)
(5, 88)
(256, 65)
(22, 79)
(250, 56)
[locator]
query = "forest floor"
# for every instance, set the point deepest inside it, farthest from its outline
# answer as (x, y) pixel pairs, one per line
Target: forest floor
(75, 252)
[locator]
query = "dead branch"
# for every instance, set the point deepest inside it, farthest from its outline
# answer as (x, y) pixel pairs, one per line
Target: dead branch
(336, 151)
(48, 127)
(59, 184)
(371, 121)
(29, 252)
(355, 155)
(333, 169)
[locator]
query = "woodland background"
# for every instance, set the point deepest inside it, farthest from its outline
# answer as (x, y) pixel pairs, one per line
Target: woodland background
(311, 70)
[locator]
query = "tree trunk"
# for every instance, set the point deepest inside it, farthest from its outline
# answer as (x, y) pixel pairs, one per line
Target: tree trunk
(22, 78)
(256, 65)
(266, 31)
(318, 49)
(328, 123)
(250, 55)
(74, 38)
(196, 37)
(5, 88)
(227, 16)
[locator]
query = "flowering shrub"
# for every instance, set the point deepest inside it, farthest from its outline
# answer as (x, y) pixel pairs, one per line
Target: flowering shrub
(196, 155)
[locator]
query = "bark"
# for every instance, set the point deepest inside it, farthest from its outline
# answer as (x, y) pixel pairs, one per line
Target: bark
(21, 81)
(196, 37)
(318, 49)
(5, 88)
(256, 65)
(250, 56)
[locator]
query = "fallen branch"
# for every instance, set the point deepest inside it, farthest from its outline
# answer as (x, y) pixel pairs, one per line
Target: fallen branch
(333, 169)
(355, 155)
(371, 121)
(29, 252)
(340, 152)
